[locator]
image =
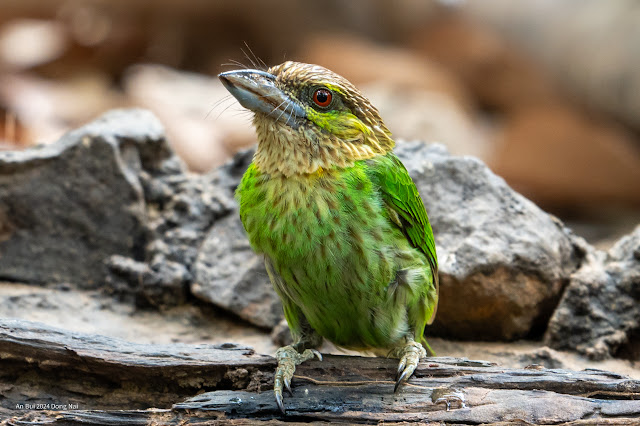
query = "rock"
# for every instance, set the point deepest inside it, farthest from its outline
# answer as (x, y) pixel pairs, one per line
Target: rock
(599, 314)
(227, 271)
(230, 275)
(108, 206)
(182, 208)
(67, 207)
(281, 335)
(503, 261)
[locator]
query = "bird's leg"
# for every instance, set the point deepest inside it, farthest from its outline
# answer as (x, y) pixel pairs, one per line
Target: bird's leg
(288, 358)
(409, 355)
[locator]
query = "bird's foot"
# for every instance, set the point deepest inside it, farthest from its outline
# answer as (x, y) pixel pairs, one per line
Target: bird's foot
(288, 358)
(409, 355)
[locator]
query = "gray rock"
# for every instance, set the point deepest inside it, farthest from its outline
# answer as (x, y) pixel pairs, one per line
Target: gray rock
(230, 275)
(107, 206)
(182, 208)
(281, 335)
(503, 261)
(599, 314)
(68, 206)
(227, 271)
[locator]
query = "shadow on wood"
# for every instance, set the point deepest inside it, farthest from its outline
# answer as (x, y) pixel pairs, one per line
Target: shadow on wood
(54, 376)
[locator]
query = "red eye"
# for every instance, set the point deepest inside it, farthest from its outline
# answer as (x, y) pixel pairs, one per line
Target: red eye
(322, 97)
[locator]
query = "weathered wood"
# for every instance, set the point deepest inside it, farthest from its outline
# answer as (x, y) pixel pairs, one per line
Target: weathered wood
(44, 365)
(115, 382)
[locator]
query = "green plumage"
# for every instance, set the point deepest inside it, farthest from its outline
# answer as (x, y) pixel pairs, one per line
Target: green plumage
(345, 236)
(350, 251)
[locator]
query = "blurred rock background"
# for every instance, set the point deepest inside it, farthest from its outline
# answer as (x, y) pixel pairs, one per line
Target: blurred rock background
(547, 93)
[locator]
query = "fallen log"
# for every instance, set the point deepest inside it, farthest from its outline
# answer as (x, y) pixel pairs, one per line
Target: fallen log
(52, 376)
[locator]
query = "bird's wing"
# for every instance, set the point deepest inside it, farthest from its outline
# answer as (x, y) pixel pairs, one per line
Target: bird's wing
(407, 210)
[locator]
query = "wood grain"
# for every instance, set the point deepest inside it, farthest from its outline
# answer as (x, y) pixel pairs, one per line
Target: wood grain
(115, 382)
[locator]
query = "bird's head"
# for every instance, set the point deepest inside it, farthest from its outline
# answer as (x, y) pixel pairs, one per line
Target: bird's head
(308, 118)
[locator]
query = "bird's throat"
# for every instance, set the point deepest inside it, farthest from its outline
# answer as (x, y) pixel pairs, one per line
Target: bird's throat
(306, 150)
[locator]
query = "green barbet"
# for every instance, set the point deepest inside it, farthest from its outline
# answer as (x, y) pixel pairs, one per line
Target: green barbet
(345, 236)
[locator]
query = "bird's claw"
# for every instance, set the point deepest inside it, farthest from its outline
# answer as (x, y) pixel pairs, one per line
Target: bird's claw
(288, 358)
(287, 385)
(410, 355)
(279, 400)
(316, 353)
(401, 366)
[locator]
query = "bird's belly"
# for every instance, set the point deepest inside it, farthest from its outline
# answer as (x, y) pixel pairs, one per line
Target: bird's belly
(341, 279)
(350, 305)
(337, 253)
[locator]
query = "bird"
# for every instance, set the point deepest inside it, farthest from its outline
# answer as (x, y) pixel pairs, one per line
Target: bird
(345, 236)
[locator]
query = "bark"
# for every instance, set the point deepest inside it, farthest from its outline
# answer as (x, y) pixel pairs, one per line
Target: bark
(59, 377)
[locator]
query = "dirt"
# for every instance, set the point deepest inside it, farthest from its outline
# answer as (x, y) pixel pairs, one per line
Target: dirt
(92, 312)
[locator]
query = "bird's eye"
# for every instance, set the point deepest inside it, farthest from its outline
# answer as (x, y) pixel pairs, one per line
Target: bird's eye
(322, 97)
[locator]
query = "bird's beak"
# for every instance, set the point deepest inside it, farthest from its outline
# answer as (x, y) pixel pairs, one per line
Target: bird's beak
(256, 91)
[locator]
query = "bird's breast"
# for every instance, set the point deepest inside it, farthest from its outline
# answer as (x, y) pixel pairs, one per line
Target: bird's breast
(324, 216)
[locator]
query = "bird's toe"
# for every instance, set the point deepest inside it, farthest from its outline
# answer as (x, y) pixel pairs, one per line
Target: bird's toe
(410, 356)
